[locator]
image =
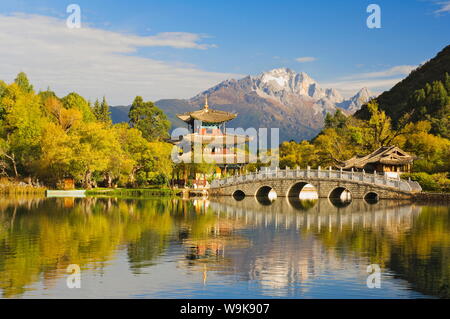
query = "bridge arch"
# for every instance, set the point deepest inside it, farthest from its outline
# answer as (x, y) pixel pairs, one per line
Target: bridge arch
(340, 197)
(371, 197)
(238, 195)
(295, 191)
(264, 191)
(264, 195)
(341, 193)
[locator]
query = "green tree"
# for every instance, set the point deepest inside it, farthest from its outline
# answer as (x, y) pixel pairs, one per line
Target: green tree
(338, 120)
(101, 111)
(447, 82)
(149, 119)
(75, 101)
(3, 87)
(96, 109)
(22, 81)
(437, 97)
(45, 95)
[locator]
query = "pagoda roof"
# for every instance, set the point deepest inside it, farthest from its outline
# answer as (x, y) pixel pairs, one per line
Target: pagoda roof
(388, 155)
(207, 115)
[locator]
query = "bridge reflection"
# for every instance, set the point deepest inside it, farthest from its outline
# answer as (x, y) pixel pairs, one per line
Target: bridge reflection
(294, 242)
(296, 213)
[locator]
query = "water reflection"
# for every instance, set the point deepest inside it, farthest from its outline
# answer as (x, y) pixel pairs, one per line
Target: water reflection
(288, 247)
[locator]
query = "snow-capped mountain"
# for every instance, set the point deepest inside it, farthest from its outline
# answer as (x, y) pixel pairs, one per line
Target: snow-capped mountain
(291, 101)
(354, 103)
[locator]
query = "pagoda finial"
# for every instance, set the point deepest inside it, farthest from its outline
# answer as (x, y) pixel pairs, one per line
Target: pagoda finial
(206, 102)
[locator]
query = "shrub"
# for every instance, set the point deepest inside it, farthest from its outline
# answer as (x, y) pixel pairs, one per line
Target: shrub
(435, 183)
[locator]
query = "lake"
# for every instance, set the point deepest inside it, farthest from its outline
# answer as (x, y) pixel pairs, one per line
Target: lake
(222, 248)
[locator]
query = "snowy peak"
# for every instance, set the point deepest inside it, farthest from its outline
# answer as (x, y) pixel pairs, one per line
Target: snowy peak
(334, 95)
(278, 78)
(285, 81)
(364, 95)
(290, 89)
(359, 99)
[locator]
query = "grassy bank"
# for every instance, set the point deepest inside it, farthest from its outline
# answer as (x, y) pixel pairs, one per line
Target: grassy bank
(131, 192)
(8, 187)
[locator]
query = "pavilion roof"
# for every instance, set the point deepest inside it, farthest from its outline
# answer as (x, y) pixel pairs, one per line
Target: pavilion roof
(207, 115)
(388, 155)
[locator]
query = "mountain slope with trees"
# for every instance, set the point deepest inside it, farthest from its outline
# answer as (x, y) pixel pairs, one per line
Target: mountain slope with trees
(423, 95)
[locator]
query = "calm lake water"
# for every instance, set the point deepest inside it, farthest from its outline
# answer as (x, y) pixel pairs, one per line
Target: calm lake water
(170, 248)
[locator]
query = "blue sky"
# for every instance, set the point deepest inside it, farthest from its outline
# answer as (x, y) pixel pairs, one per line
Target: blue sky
(220, 39)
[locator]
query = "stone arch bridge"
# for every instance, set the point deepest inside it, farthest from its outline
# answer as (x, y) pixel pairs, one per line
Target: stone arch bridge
(328, 184)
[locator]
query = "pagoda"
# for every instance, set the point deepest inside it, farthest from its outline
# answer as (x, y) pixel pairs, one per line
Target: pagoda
(210, 141)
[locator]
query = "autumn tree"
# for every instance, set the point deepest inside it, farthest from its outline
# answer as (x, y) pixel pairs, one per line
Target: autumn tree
(21, 128)
(77, 102)
(293, 154)
(66, 118)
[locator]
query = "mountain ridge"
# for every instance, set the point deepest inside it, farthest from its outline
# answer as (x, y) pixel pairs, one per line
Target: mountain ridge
(291, 101)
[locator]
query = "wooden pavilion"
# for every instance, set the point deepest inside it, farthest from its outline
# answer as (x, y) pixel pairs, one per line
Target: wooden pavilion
(390, 160)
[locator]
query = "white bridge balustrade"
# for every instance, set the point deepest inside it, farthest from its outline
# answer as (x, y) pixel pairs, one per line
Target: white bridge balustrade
(274, 174)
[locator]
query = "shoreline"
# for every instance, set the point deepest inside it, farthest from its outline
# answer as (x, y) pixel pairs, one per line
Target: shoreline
(168, 192)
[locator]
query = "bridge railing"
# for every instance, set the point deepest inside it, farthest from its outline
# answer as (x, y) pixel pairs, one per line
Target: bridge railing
(381, 180)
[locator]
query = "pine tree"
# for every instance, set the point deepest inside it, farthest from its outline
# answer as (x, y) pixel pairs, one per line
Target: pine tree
(101, 111)
(437, 98)
(447, 83)
(338, 120)
(96, 109)
(105, 114)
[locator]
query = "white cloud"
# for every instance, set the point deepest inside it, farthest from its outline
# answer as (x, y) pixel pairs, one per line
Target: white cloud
(96, 62)
(306, 59)
(444, 7)
(394, 71)
(376, 82)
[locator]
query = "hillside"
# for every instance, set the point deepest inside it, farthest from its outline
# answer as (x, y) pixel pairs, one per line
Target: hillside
(119, 114)
(397, 101)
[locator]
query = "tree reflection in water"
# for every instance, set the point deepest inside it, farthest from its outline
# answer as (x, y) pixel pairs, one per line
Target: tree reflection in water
(39, 238)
